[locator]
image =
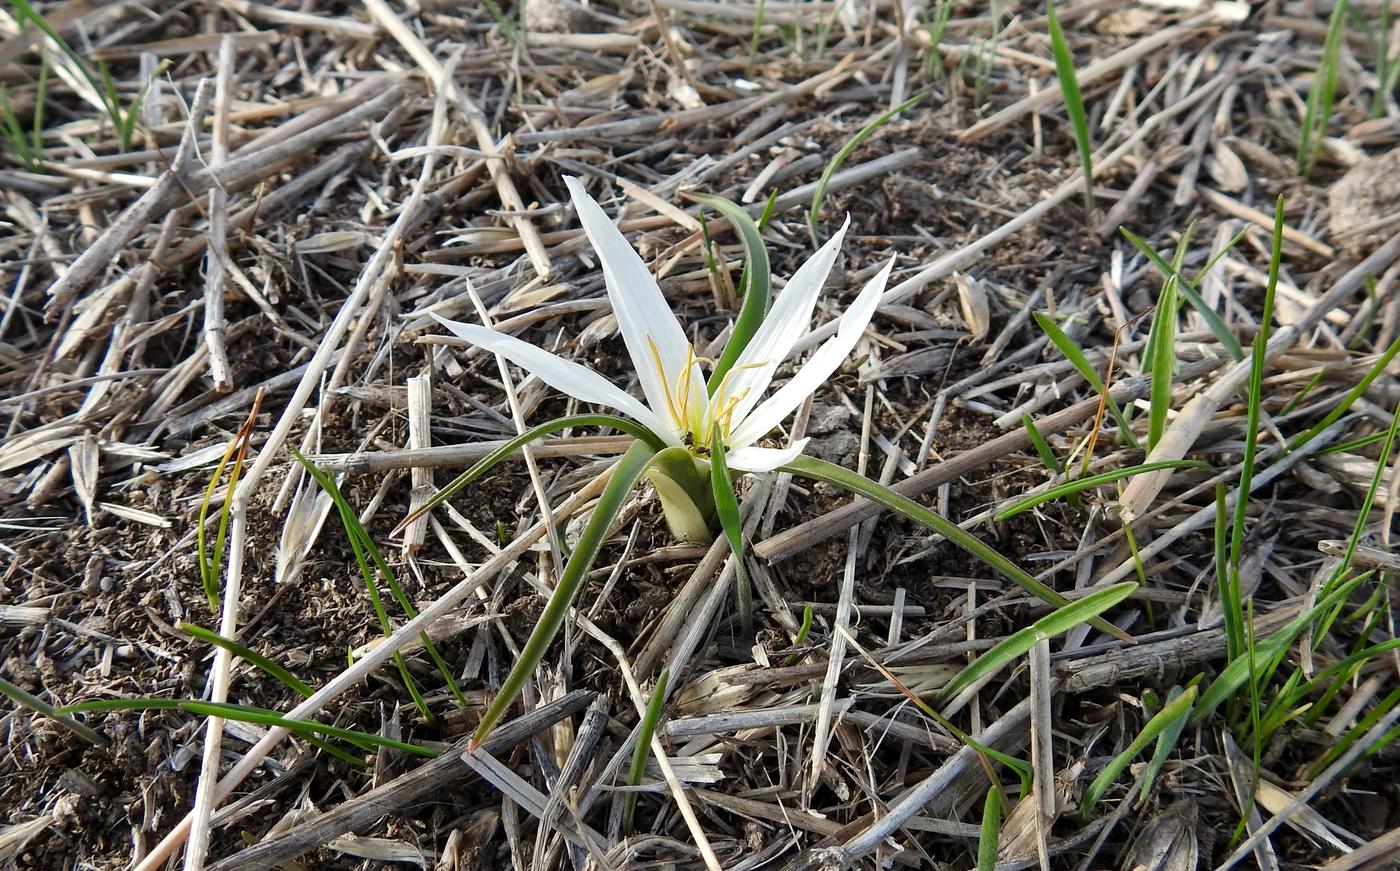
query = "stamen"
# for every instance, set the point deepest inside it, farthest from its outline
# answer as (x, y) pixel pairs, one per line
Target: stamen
(665, 385)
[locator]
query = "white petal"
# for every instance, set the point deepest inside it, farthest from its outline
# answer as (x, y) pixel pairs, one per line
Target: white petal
(646, 322)
(565, 375)
(818, 368)
(753, 459)
(786, 322)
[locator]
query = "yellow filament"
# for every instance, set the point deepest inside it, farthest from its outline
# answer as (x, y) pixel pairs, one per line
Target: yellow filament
(665, 385)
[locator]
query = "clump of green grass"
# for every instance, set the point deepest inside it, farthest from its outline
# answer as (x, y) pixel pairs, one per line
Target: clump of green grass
(122, 117)
(1074, 102)
(1322, 93)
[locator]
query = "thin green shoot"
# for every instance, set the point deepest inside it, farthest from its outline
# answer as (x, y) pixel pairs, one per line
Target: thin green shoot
(503, 21)
(1362, 519)
(15, 135)
(1174, 714)
(1230, 595)
(363, 544)
(1070, 348)
(1306, 391)
(1269, 650)
(755, 38)
(26, 699)
(1079, 485)
(1320, 96)
(247, 714)
(986, 754)
(767, 214)
(805, 628)
(1074, 102)
(1019, 643)
(839, 158)
(1167, 740)
(123, 119)
(727, 508)
(1042, 447)
(1186, 288)
(1352, 735)
(1376, 370)
(989, 831)
(626, 473)
(488, 462)
(820, 470)
(933, 61)
(282, 674)
(645, 730)
(1161, 350)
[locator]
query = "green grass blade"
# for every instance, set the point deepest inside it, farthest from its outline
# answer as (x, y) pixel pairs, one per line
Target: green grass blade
(933, 61)
(1322, 92)
(25, 699)
(727, 507)
(1212, 318)
(1075, 354)
(1019, 643)
(989, 831)
(1166, 742)
(41, 97)
(24, 11)
(756, 285)
(1267, 649)
(1175, 713)
(820, 470)
(1042, 447)
(252, 656)
(1079, 485)
(14, 133)
(247, 714)
(646, 729)
(1161, 351)
(625, 475)
(363, 545)
(1381, 364)
(840, 157)
(1074, 102)
(756, 37)
(488, 462)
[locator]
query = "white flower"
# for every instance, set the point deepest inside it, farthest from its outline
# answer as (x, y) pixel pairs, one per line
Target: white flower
(679, 406)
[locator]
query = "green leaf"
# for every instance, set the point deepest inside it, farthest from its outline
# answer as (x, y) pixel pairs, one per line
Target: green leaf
(990, 829)
(257, 659)
(1074, 101)
(1079, 485)
(25, 699)
(1057, 622)
(365, 549)
(646, 729)
(625, 475)
(756, 285)
(1174, 714)
(1380, 366)
(820, 470)
(1212, 318)
(840, 156)
(1042, 447)
(727, 507)
(1161, 351)
(247, 714)
(488, 462)
(1075, 355)
(1321, 93)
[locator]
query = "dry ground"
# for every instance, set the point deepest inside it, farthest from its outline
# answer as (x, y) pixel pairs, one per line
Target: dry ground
(143, 315)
